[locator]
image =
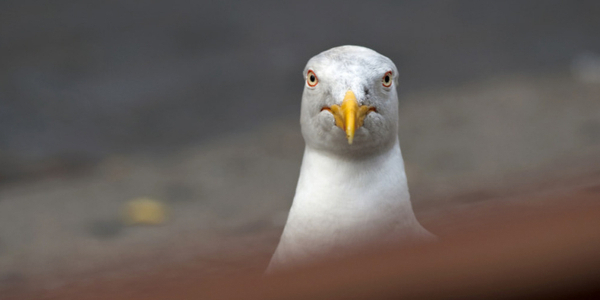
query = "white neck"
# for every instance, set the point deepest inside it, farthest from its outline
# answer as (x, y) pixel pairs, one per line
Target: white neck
(341, 202)
(331, 184)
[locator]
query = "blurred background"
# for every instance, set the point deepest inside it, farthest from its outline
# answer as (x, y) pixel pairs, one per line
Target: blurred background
(195, 105)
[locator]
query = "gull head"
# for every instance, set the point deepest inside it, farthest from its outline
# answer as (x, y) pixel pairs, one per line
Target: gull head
(349, 103)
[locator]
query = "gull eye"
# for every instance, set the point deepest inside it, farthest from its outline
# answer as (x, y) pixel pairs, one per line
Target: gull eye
(386, 80)
(311, 78)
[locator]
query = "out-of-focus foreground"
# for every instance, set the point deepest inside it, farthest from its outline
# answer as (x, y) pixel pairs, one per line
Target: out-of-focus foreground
(196, 108)
(540, 246)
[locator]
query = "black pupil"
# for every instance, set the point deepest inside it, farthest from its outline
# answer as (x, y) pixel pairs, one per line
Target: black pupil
(312, 78)
(387, 78)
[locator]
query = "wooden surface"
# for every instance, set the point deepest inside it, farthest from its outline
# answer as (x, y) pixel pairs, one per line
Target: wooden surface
(544, 246)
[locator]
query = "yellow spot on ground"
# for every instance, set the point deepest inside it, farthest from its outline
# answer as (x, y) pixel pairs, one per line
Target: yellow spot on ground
(144, 211)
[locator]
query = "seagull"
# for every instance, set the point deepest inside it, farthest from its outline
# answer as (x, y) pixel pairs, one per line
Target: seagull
(352, 186)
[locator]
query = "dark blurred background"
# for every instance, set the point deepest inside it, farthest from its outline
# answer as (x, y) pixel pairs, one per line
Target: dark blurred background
(196, 105)
(79, 80)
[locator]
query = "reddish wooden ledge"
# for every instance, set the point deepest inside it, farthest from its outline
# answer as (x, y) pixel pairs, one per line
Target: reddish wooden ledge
(547, 250)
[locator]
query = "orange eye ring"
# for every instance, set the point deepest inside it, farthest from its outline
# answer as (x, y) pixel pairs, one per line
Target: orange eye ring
(311, 78)
(387, 79)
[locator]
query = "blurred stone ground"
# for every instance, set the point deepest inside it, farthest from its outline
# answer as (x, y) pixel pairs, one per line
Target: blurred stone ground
(227, 199)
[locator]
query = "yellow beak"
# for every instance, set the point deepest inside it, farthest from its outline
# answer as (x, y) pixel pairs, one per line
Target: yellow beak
(349, 116)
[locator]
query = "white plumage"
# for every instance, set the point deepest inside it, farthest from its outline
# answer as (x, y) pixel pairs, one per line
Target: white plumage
(352, 187)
